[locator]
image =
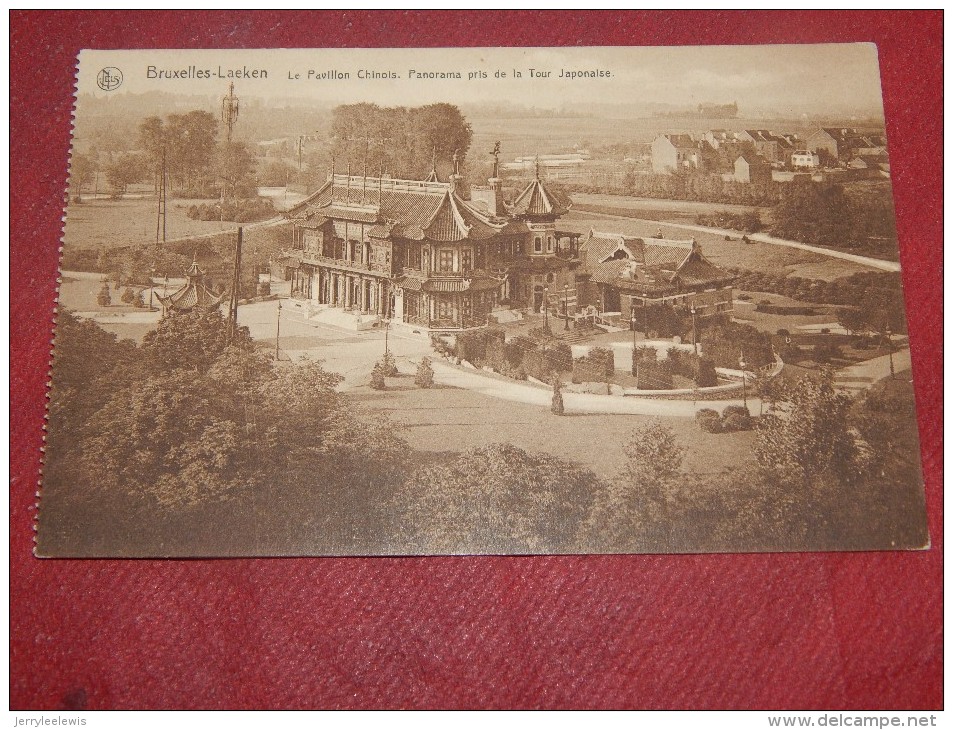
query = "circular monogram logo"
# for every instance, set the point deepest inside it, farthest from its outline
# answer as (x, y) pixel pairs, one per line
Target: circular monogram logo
(109, 78)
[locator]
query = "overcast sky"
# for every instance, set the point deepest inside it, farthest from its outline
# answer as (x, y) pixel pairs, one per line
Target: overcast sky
(795, 79)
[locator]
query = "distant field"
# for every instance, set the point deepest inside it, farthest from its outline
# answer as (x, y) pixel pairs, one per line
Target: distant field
(757, 256)
(677, 209)
(108, 223)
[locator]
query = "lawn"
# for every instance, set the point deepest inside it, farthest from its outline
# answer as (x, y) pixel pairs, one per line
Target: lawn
(445, 419)
(107, 223)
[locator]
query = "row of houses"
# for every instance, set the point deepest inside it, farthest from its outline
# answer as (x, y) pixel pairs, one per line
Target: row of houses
(441, 258)
(751, 154)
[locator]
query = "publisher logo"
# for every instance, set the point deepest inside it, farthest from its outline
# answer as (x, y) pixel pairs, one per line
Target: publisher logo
(109, 78)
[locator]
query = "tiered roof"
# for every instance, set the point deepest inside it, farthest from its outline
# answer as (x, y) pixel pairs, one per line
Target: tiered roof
(648, 263)
(410, 209)
(193, 295)
(538, 200)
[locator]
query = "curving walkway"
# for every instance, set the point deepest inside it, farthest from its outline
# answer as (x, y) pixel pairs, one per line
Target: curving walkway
(458, 377)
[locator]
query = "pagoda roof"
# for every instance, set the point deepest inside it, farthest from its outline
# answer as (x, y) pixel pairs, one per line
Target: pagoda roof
(538, 200)
(193, 294)
(412, 209)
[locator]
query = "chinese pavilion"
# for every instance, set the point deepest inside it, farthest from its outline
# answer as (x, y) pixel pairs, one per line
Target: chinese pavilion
(193, 294)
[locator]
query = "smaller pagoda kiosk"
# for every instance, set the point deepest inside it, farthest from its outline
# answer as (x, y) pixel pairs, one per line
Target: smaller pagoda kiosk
(193, 295)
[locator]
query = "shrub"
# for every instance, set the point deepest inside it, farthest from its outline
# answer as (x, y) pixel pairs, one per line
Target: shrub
(128, 296)
(655, 375)
(736, 422)
(424, 376)
(388, 365)
(139, 302)
(537, 365)
(784, 332)
(540, 333)
(264, 288)
(708, 420)
(441, 346)
(705, 375)
(603, 358)
(559, 355)
(377, 377)
(103, 299)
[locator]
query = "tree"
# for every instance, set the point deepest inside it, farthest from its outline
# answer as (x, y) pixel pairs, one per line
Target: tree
(192, 340)
(643, 497)
(187, 142)
(237, 170)
(851, 319)
(806, 439)
(495, 499)
(82, 169)
(399, 140)
(103, 299)
(123, 171)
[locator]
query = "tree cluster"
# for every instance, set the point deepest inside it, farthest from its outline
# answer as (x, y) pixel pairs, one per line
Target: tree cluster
(196, 424)
(400, 141)
(826, 214)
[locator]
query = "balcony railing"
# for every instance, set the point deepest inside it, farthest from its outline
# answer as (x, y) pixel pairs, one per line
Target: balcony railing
(357, 266)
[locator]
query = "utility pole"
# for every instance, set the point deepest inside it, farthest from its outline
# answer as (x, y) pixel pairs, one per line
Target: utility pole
(744, 380)
(566, 304)
(160, 213)
(546, 306)
(236, 285)
(694, 332)
(890, 350)
(278, 331)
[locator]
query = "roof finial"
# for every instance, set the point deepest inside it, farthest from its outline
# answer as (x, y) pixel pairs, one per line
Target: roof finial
(433, 161)
(456, 162)
(537, 164)
(496, 159)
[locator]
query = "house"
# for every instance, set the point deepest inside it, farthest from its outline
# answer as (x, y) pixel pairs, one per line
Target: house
(627, 274)
(421, 253)
(752, 169)
(672, 152)
(766, 144)
(805, 160)
(843, 143)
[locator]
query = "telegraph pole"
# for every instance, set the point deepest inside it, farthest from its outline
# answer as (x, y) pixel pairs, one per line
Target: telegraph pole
(229, 117)
(236, 285)
(160, 214)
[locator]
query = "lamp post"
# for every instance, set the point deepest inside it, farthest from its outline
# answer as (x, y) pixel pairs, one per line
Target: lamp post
(694, 335)
(546, 306)
(634, 351)
(278, 330)
(566, 304)
(890, 351)
(744, 381)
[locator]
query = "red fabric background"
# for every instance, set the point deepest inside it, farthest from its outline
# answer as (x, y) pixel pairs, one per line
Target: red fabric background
(723, 631)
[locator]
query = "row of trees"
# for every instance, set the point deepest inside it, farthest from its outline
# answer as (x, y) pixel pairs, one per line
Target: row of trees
(401, 141)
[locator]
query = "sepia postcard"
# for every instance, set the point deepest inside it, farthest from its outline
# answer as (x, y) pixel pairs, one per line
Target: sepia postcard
(480, 301)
